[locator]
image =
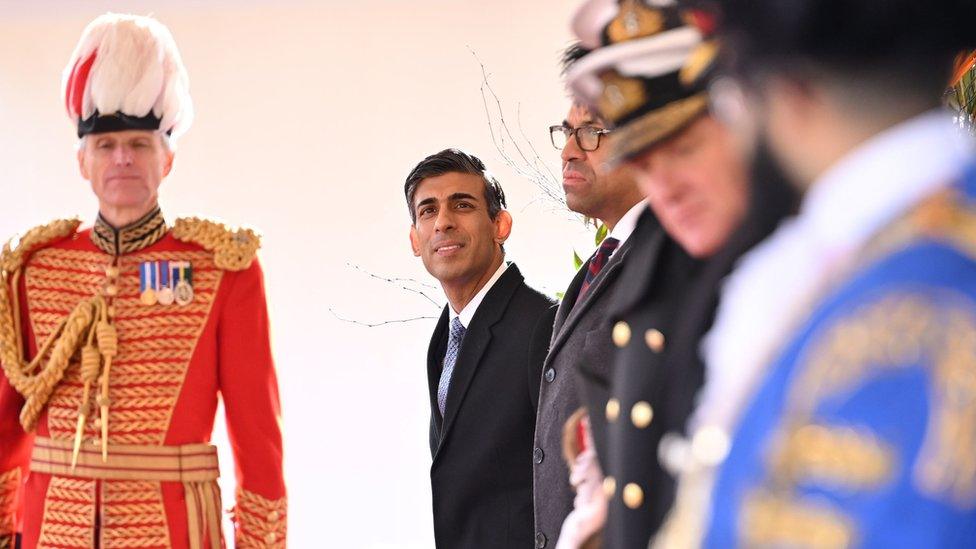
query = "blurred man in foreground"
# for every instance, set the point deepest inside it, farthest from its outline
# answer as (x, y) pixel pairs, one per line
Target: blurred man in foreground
(647, 75)
(834, 412)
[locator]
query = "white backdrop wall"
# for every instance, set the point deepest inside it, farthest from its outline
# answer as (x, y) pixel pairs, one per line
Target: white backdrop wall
(309, 116)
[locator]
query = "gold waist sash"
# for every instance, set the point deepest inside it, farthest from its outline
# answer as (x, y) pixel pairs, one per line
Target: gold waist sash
(195, 465)
(189, 463)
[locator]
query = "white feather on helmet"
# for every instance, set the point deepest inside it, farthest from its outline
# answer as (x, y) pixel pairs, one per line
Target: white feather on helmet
(130, 65)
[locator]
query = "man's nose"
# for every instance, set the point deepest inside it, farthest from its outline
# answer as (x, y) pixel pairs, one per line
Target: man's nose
(122, 156)
(572, 151)
(445, 220)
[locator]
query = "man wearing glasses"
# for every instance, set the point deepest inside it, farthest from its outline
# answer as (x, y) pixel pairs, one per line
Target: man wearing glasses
(581, 334)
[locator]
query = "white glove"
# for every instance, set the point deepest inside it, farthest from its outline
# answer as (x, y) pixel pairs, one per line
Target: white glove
(590, 504)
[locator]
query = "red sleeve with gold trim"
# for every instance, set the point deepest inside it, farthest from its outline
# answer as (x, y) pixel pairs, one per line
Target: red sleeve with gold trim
(15, 446)
(250, 392)
(15, 449)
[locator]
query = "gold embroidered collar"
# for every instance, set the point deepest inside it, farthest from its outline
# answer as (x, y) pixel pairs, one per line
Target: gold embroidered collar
(133, 237)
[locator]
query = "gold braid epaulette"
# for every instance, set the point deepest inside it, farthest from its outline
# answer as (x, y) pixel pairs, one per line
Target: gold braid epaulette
(233, 249)
(12, 258)
(945, 216)
(31, 380)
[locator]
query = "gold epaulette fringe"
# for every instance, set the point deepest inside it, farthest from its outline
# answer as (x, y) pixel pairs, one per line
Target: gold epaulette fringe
(32, 380)
(233, 249)
(14, 253)
(945, 216)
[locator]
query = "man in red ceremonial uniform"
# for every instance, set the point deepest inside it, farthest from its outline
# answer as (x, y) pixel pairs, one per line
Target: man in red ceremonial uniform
(116, 340)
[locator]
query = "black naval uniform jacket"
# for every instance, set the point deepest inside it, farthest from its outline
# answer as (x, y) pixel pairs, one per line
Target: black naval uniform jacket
(653, 284)
(659, 370)
(648, 394)
(481, 475)
(658, 271)
(581, 335)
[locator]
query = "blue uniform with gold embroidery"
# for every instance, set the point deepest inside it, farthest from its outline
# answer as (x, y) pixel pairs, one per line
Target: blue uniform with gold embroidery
(864, 432)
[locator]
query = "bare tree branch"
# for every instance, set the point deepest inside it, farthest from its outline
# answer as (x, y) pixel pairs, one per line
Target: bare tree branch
(524, 164)
(383, 323)
(401, 283)
(406, 284)
(537, 160)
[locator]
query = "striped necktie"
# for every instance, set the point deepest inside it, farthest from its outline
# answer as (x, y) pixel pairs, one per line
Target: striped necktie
(596, 264)
(450, 358)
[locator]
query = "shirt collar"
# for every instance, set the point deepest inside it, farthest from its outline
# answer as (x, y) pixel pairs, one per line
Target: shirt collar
(467, 313)
(882, 179)
(625, 227)
(135, 236)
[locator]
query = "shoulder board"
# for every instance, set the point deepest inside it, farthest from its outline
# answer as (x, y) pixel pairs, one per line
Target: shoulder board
(233, 249)
(15, 251)
(944, 216)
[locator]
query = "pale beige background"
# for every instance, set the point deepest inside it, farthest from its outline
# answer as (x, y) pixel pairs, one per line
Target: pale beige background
(309, 116)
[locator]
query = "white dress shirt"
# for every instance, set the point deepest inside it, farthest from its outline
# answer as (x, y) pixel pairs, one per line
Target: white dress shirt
(625, 227)
(467, 313)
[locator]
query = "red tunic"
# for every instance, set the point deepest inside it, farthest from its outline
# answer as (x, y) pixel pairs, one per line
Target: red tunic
(173, 361)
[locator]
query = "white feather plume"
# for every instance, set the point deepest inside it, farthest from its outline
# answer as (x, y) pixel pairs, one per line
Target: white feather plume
(137, 69)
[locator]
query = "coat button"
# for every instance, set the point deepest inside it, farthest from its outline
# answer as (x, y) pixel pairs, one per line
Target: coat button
(621, 334)
(613, 409)
(609, 486)
(271, 537)
(538, 455)
(273, 516)
(540, 540)
(111, 290)
(112, 271)
(654, 340)
(641, 414)
(633, 496)
(550, 375)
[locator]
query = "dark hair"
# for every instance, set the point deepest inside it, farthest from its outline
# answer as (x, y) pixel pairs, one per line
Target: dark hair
(573, 53)
(454, 161)
(905, 43)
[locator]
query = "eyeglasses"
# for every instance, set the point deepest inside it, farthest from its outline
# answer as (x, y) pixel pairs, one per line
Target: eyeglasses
(587, 137)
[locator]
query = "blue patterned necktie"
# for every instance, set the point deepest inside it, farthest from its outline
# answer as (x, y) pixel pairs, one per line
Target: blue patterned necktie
(450, 358)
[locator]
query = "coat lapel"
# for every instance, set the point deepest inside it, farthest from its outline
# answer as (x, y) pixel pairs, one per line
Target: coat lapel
(599, 285)
(648, 238)
(476, 340)
(569, 298)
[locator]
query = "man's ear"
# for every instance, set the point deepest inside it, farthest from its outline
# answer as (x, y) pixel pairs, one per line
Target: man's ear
(503, 226)
(793, 100)
(82, 165)
(168, 166)
(415, 240)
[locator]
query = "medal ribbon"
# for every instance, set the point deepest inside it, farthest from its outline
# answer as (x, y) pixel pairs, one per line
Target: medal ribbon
(144, 269)
(164, 275)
